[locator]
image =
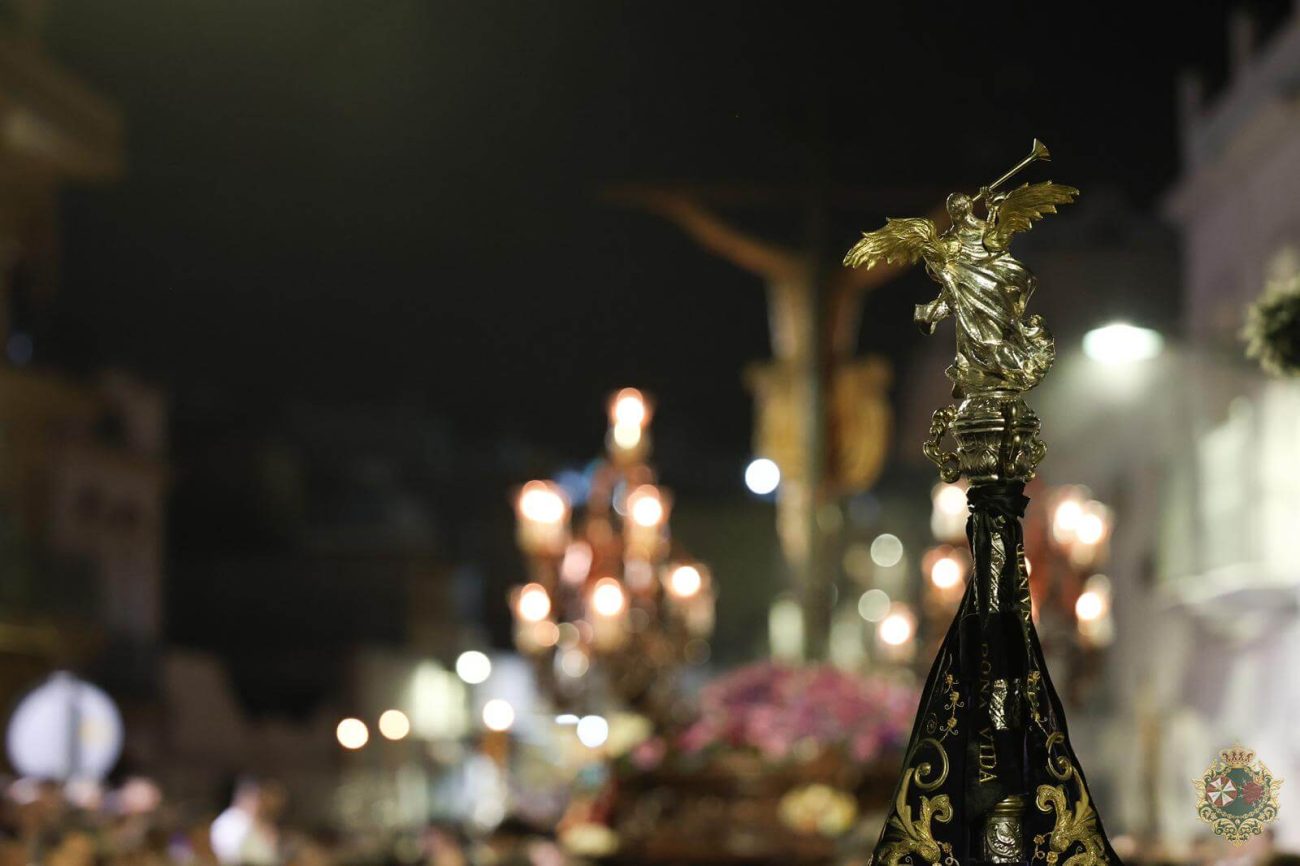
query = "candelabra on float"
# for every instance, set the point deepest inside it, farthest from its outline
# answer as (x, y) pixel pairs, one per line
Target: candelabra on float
(989, 774)
(613, 607)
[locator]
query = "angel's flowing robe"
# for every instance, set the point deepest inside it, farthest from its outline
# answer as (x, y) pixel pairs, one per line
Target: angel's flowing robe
(997, 347)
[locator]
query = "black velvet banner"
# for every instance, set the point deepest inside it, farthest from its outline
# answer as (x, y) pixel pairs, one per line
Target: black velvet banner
(990, 724)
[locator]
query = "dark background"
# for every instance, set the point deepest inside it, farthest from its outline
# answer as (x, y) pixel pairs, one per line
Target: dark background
(394, 208)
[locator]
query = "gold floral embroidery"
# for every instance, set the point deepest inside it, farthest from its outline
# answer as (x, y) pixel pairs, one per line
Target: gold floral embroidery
(947, 727)
(905, 838)
(1033, 690)
(1075, 825)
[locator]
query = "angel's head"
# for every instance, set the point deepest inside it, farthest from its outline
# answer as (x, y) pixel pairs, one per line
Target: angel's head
(959, 207)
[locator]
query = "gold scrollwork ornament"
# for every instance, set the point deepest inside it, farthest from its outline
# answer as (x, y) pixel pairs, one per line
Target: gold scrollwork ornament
(911, 841)
(1076, 825)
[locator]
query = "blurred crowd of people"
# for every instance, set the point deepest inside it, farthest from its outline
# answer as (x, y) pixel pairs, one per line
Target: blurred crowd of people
(84, 824)
(134, 824)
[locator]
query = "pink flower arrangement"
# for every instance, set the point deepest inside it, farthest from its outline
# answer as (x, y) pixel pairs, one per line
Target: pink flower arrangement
(775, 710)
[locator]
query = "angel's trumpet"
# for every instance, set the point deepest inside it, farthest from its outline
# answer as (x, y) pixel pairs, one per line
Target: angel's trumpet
(1037, 152)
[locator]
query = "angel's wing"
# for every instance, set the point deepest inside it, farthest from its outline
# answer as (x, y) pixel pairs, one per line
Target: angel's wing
(1019, 208)
(901, 240)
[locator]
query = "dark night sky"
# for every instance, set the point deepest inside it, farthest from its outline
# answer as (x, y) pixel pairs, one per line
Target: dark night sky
(334, 201)
(342, 200)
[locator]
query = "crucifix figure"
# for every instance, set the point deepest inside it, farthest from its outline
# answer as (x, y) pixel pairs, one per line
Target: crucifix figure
(821, 412)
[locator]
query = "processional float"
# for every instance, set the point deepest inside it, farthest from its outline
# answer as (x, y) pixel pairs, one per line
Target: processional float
(989, 775)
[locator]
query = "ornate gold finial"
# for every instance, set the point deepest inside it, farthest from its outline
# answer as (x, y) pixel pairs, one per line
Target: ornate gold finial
(1001, 352)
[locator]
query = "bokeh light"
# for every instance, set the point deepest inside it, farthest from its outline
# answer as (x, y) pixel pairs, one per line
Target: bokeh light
(573, 663)
(534, 603)
(1091, 527)
(950, 499)
(394, 725)
(627, 436)
(897, 628)
(1089, 606)
(1122, 343)
(498, 715)
(352, 733)
(576, 564)
(608, 598)
(1065, 520)
(945, 573)
(762, 476)
(886, 550)
(685, 581)
(628, 408)
(873, 606)
(473, 667)
(542, 502)
(593, 731)
(645, 506)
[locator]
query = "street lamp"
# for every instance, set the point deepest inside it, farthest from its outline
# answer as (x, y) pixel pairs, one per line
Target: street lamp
(1122, 343)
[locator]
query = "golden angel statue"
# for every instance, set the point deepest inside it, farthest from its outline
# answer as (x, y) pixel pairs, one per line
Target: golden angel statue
(998, 347)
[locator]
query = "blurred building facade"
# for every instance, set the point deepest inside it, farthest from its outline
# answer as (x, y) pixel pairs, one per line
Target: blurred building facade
(1228, 597)
(315, 579)
(83, 460)
(1196, 452)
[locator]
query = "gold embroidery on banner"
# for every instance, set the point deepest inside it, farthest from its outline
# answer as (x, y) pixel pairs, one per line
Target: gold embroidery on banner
(923, 769)
(954, 701)
(905, 838)
(1075, 824)
(1033, 691)
(1058, 765)
(946, 727)
(1024, 600)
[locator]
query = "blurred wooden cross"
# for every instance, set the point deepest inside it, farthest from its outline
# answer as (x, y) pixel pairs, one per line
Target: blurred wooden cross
(822, 412)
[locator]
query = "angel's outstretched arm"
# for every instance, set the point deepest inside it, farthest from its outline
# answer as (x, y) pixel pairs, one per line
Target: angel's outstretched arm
(994, 240)
(931, 314)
